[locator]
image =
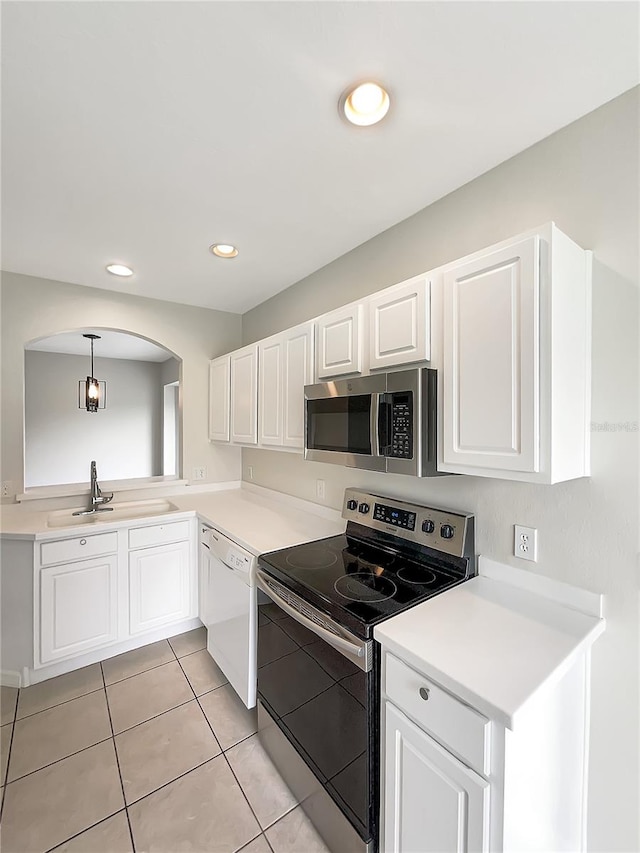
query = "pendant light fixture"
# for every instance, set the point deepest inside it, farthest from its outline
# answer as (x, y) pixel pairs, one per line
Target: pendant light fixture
(92, 393)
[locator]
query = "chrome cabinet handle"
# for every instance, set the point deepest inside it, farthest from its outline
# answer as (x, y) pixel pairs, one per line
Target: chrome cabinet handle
(424, 693)
(83, 541)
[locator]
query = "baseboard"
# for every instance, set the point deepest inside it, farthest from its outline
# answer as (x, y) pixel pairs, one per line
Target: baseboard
(10, 678)
(35, 676)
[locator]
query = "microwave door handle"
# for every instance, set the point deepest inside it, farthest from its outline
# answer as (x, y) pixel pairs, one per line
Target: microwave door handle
(385, 406)
(373, 424)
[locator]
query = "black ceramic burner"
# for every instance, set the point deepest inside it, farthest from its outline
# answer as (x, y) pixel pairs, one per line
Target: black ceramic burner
(363, 586)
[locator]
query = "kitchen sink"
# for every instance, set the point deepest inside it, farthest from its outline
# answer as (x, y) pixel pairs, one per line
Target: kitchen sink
(120, 512)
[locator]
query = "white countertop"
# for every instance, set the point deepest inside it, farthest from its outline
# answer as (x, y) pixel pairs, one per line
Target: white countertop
(490, 642)
(258, 519)
(261, 521)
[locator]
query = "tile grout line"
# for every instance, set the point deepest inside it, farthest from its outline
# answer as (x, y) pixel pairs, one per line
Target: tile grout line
(57, 761)
(223, 753)
(15, 720)
(93, 826)
(104, 740)
(171, 781)
(6, 774)
(57, 704)
(115, 750)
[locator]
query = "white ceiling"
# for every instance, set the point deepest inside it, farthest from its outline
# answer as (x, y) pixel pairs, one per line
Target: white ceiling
(111, 345)
(142, 132)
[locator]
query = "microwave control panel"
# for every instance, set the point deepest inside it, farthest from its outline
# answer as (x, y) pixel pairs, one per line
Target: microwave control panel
(402, 426)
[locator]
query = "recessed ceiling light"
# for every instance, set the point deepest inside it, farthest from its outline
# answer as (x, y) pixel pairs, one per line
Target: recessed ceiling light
(224, 250)
(119, 269)
(364, 104)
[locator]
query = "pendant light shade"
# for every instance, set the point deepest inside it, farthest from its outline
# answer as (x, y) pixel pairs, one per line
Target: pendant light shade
(92, 393)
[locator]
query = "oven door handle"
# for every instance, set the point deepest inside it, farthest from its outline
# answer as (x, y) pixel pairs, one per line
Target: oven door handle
(357, 653)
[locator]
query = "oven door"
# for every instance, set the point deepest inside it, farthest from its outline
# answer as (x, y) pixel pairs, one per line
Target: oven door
(317, 684)
(342, 422)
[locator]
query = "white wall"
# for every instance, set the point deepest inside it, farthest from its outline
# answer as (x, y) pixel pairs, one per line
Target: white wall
(125, 438)
(35, 308)
(585, 177)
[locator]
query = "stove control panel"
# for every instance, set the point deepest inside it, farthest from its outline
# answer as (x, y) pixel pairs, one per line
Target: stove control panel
(440, 529)
(394, 515)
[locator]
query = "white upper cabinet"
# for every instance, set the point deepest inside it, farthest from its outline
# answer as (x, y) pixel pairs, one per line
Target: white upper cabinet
(244, 395)
(270, 392)
(492, 358)
(219, 398)
(285, 367)
(339, 342)
(400, 324)
(297, 359)
(516, 361)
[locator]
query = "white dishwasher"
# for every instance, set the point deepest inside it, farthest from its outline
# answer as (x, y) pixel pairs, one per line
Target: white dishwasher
(230, 612)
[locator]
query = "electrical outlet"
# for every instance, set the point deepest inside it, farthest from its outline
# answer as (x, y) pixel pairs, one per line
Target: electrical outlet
(320, 489)
(7, 489)
(525, 543)
(250, 472)
(200, 473)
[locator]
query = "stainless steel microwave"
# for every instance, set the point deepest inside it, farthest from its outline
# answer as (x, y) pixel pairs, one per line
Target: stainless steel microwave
(385, 422)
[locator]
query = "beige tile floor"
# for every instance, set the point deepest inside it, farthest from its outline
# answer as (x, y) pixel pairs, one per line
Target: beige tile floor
(147, 751)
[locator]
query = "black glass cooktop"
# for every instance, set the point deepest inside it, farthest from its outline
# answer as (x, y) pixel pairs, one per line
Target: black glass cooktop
(358, 583)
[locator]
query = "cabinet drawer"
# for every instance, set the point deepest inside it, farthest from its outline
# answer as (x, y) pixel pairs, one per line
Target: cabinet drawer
(158, 534)
(457, 726)
(79, 548)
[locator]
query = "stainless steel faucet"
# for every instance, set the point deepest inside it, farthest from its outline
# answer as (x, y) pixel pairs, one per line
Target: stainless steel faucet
(97, 498)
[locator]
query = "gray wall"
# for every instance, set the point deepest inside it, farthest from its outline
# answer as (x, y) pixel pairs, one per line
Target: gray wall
(125, 438)
(586, 179)
(36, 308)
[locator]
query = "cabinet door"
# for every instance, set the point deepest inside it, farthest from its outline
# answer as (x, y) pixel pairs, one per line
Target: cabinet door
(219, 398)
(339, 342)
(159, 586)
(432, 802)
(244, 395)
(270, 392)
(297, 372)
(491, 361)
(400, 324)
(78, 607)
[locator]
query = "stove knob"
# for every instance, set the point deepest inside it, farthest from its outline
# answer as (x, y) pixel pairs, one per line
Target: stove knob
(352, 504)
(363, 508)
(447, 531)
(428, 526)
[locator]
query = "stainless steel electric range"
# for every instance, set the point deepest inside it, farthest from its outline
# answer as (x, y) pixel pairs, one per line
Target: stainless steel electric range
(318, 665)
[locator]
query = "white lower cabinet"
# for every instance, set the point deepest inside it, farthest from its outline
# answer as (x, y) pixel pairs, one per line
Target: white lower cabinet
(159, 586)
(433, 802)
(78, 607)
(455, 781)
(136, 579)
